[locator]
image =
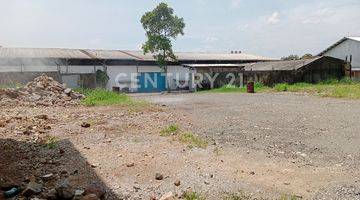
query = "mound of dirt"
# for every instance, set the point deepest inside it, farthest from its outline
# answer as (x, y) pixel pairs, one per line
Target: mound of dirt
(44, 91)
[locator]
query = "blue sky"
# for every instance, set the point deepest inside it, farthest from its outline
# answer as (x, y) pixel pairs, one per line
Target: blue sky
(272, 28)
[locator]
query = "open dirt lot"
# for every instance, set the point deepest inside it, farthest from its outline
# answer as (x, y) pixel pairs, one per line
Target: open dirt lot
(264, 146)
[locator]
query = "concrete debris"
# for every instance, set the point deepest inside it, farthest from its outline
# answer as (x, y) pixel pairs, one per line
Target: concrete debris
(43, 91)
(32, 189)
(65, 190)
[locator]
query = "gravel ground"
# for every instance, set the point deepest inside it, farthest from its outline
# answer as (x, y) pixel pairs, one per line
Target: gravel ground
(261, 146)
(294, 143)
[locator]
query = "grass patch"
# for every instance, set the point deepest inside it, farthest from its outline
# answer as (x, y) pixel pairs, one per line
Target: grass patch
(193, 140)
(170, 130)
(51, 142)
(193, 196)
(11, 85)
(289, 197)
(258, 87)
(344, 88)
(102, 97)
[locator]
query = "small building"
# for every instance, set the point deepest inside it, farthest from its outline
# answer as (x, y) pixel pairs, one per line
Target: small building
(129, 71)
(292, 71)
(347, 49)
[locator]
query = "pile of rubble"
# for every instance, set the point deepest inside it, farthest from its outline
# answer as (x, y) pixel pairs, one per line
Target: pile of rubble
(44, 91)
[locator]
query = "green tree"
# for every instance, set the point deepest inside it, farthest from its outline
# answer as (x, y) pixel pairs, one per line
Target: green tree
(307, 56)
(161, 26)
(291, 57)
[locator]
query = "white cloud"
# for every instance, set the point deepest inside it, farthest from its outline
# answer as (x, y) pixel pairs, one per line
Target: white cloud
(211, 39)
(274, 18)
(318, 16)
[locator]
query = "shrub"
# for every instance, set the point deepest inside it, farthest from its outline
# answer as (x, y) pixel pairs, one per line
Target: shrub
(282, 87)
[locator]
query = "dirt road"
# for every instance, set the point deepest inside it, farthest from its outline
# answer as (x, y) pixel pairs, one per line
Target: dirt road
(263, 146)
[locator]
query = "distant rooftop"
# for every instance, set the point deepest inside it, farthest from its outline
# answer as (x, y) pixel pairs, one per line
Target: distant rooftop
(355, 38)
(61, 53)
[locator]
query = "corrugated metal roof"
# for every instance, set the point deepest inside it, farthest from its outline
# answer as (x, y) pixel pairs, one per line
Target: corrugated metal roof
(42, 53)
(199, 56)
(119, 54)
(279, 65)
(109, 54)
(212, 65)
(337, 43)
(220, 56)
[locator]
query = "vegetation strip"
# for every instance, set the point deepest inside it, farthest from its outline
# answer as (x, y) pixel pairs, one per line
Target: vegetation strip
(344, 88)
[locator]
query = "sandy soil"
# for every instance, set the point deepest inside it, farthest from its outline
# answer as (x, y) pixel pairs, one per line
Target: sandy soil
(265, 146)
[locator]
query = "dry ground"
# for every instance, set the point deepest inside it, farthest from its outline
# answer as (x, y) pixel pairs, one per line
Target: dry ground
(265, 146)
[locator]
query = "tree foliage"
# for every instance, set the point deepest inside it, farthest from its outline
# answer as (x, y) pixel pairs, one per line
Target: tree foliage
(307, 56)
(161, 26)
(296, 57)
(291, 57)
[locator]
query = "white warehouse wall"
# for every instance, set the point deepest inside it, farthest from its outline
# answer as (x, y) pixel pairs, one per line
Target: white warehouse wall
(128, 71)
(347, 48)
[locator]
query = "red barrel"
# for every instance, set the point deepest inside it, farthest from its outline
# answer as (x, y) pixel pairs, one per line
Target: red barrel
(250, 87)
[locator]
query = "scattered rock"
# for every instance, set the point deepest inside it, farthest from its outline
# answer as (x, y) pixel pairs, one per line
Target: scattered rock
(168, 196)
(130, 165)
(78, 194)
(159, 176)
(177, 183)
(65, 190)
(95, 189)
(51, 194)
(47, 177)
(85, 125)
(68, 91)
(7, 184)
(95, 165)
(90, 197)
(32, 188)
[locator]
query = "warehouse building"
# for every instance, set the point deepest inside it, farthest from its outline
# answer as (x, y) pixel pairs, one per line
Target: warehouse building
(348, 49)
(129, 71)
(292, 71)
